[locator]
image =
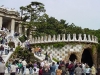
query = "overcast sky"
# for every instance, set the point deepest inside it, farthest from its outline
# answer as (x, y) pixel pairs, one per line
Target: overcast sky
(83, 13)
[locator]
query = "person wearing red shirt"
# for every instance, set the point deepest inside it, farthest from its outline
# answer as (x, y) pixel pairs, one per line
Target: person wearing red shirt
(40, 71)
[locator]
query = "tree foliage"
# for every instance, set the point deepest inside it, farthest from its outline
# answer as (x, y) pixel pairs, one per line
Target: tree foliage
(30, 15)
(35, 16)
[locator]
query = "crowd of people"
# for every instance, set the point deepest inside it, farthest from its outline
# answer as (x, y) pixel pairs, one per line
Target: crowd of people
(4, 48)
(46, 68)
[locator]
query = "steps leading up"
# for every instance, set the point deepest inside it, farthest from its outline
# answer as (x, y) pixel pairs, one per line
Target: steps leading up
(6, 57)
(42, 57)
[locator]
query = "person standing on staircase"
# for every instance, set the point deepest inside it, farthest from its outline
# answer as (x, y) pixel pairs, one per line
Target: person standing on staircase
(24, 66)
(2, 67)
(6, 49)
(46, 56)
(4, 40)
(13, 68)
(39, 51)
(9, 66)
(1, 49)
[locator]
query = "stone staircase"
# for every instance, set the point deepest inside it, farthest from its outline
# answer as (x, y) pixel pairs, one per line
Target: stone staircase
(16, 40)
(6, 57)
(42, 57)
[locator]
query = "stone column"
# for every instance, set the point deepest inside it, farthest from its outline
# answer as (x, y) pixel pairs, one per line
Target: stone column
(89, 38)
(85, 38)
(49, 38)
(25, 31)
(54, 38)
(30, 36)
(63, 37)
(12, 26)
(20, 28)
(68, 37)
(80, 37)
(41, 38)
(74, 37)
(1, 19)
(58, 37)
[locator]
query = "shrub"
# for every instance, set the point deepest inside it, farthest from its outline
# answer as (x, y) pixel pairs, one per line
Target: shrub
(11, 44)
(23, 53)
(55, 60)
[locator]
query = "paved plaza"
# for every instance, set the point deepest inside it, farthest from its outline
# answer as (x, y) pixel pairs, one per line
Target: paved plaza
(17, 74)
(27, 72)
(20, 74)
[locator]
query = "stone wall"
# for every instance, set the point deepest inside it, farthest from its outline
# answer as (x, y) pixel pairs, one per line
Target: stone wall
(65, 38)
(68, 49)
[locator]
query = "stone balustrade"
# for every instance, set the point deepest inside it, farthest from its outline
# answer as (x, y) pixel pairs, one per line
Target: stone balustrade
(65, 38)
(9, 12)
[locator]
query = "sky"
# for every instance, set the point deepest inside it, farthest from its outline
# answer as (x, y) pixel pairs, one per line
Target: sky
(83, 13)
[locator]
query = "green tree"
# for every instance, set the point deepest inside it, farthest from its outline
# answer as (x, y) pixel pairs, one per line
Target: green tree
(30, 15)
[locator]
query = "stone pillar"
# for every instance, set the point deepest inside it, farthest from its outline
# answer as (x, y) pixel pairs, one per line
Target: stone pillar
(63, 37)
(38, 39)
(85, 38)
(49, 38)
(58, 37)
(74, 37)
(80, 37)
(12, 26)
(89, 38)
(41, 39)
(68, 37)
(79, 56)
(54, 38)
(92, 38)
(25, 31)
(31, 36)
(20, 28)
(35, 39)
(1, 20)
(45, 38)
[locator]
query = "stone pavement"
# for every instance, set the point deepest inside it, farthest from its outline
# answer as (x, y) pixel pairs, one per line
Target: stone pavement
(27, 72)
(16, 74)
(20, 74)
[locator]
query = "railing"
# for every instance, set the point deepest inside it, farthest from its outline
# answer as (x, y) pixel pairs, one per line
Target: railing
(9, 12)
(65, 38)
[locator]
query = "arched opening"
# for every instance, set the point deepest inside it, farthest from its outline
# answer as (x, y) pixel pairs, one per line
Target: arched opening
(86, 57)
(72, 57)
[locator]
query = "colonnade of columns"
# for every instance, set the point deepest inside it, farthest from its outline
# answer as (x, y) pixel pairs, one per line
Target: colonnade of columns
(12, 26)
(1, 22)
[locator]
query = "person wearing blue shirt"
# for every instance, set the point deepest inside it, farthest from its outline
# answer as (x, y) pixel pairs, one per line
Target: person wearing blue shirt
(53, 68)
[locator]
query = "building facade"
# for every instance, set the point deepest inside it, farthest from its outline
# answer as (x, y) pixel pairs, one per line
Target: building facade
(10, 19)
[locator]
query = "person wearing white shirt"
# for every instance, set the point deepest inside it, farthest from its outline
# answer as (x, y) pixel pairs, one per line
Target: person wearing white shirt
(42, 63)
(6, 48)
(87, 70)
(13, 69)
(24, 66)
